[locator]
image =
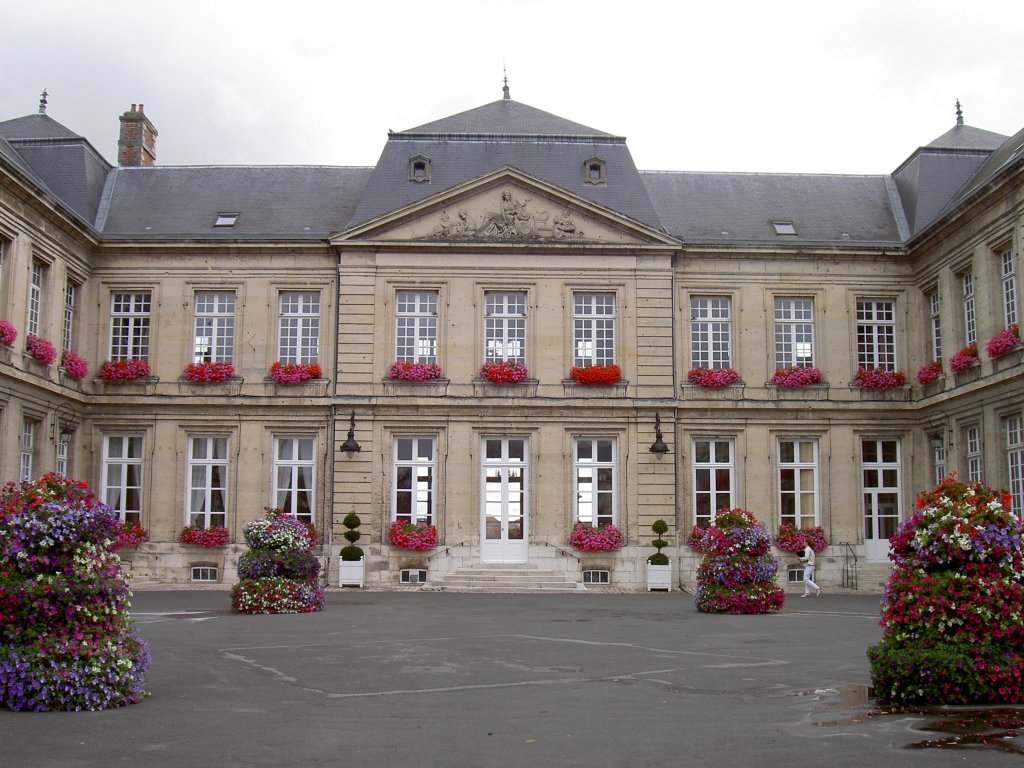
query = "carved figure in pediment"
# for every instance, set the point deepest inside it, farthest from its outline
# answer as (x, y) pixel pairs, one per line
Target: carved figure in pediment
(466, 225)
(513, 220)
(445, 227)
(565, 227)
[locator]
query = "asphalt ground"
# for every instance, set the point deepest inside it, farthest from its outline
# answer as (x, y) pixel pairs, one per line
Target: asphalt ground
(432, 679)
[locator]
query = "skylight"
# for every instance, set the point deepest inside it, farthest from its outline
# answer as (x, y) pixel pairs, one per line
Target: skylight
(226, 220)
(784, 228)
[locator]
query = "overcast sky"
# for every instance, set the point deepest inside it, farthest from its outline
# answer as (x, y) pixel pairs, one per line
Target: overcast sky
(802, 87)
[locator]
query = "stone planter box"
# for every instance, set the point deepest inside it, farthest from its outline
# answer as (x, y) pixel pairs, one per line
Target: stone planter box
(896, 394)
(810, 392)
(36, 368)
(571, 389)
(732, 392)
(526, 388)
(231, 386)
(351, 573)
(311, 388)
(968, 375)
(145, 385)
(1009, 360)
(431, 388)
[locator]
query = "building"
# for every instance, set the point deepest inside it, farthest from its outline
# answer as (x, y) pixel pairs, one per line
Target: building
(507, 233)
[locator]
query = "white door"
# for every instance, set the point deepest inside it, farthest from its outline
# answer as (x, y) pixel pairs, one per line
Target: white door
(880, 465)
(503, 531)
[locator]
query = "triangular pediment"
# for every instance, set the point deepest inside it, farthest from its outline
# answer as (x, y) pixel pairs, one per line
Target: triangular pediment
(506, 207)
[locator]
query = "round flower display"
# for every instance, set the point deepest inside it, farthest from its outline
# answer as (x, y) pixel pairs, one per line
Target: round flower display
(737, 574)
(951, 613)
(279, 573)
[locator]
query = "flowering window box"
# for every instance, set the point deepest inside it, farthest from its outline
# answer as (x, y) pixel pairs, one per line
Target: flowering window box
(797, 378)
(208, 372)
(291, 374)
(1004, 342)
(40, 350)
(712, 378)
(215, 537)
(878, 378)
(589, 538)
(503, 372)
(596, 375)
(930, 373)
(130, 535)
(792, 539)
(74, 365)
(119, 371)
(416, 537)
(964, 359)
(8, 333)
(414, 372)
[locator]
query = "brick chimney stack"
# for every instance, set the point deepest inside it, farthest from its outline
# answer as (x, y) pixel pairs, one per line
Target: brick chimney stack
(137, 143)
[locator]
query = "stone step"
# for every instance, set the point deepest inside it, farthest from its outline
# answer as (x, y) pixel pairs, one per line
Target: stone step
(503, 578)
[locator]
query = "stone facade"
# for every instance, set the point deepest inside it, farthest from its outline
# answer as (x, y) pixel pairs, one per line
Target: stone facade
(503, 470)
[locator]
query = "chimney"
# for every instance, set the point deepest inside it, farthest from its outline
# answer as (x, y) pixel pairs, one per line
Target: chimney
(137, 143)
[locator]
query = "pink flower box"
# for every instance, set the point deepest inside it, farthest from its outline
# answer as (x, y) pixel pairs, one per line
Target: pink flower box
(74, 365)
(209, 372)
(8, 333)
(964, 359)
(40, 349)
(794, 378)
(294, 373)
(123, 370)
(1004, 342)
(712, 378)
(878, 378)
(929, 373)
(503, 372)
(414, 371)
(588, 538)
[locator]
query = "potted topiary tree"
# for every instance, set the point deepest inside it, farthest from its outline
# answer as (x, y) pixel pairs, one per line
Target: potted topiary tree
(351, 571)
(659, 567)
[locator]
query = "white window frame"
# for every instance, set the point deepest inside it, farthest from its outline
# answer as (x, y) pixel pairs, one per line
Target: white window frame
(27, 445)
(711, 332)
(973, 453)
(130, 318)
(876, 334)
(505, 326)
(794, 332)
(1015, 462)
(1008, 284)
(938, 450)
(705, 478)
(289, 494)
(206, 491)
(118, 469)
(935, 324)
(970, 308)
(593, 328)
(214, 326)
(298, 327)
(413, 496)
(416, 322)
(595, 481)
(67, 336)
(37, 280)
(63, 452)
(803, 482)
(880, 469)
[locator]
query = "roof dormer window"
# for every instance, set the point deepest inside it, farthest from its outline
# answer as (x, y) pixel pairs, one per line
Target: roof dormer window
(595, 171)
(226, 220)
(419, 169)
(784, 228)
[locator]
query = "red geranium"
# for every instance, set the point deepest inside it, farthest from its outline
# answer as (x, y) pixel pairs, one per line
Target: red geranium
(601, 375)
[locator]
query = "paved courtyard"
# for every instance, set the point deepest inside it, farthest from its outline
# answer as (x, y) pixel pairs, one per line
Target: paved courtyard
(429, 680)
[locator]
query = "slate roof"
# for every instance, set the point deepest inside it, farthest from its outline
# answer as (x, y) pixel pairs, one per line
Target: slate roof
(36, 126)
(741, 207)
(293, 202)
(505, 133)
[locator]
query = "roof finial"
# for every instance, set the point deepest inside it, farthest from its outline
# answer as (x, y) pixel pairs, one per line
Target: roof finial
(959, 113)
(504, 90)
(42, 102)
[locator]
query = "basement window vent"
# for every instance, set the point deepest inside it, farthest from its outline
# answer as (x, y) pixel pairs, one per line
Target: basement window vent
(205, 572)
(597, 576)
(784, 228)
(796, 574)
(226, 219)
(413, 576)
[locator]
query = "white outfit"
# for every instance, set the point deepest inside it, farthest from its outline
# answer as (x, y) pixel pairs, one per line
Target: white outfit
(807, 558)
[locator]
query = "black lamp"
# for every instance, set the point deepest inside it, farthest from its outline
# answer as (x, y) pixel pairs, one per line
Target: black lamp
(350, 445)
(658, 447)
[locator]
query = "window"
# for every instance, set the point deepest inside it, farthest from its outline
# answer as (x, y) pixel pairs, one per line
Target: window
(712, 479)
(298, 327)
(129, 326)
(35, 298)
(505, 327)
(215, 327)
(26, 465)
(1015, 462)
(794, 333)
(122, 476)
(1008, 276)
(593, 329)
(972, 453)
(798, 482)
(67, 335)
(416, 328)
(970, 318)
(294, 477)
(594, 485)
(876, 334)
(880, 467)
(63, 453)
(935, 325)
(711, 332)
(595, 171)
(784, 228)
(412, 482)
(419, 169)
(207, 481)
(938, 457)
(226, 219)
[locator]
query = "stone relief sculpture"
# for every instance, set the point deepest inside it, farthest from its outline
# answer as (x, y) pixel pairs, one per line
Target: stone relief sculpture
(514, 221)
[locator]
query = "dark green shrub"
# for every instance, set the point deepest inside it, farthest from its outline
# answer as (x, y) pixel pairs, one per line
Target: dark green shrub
(659, 558)
(351, 553)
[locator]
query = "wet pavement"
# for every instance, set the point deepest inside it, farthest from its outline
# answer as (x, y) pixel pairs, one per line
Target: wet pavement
(425, 679)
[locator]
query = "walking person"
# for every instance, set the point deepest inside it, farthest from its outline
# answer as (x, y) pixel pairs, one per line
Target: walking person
(807, 558)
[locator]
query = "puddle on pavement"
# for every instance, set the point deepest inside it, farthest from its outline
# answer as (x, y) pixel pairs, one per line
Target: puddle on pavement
(996, 728)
